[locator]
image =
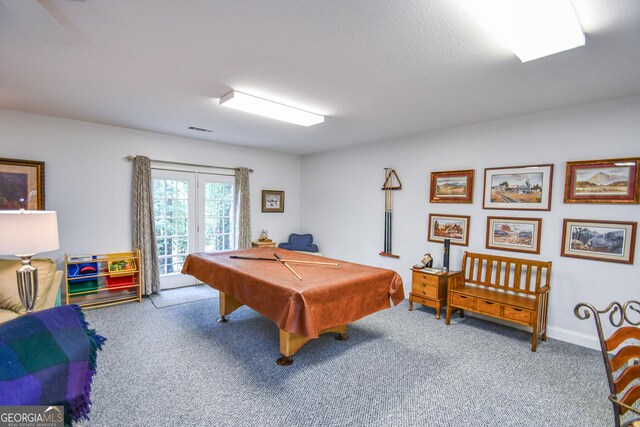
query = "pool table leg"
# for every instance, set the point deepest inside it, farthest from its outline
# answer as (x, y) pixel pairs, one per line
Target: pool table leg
(228, 305)
(290, 343)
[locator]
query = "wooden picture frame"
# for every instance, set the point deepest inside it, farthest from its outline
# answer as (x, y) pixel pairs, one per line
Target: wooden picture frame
(452, 227)
(21, 184)
(518, 188)
(612, 241)
(272, 201)
(603, 181)
(514, 234)
(451, 187)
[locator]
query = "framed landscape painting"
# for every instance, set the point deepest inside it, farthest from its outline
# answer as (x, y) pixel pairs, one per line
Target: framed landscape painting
(21, 184)
(518, 188)
(272, 201)
(451, 187)
(514, 234)
(453, 227)
(612, 241)
(602, 181)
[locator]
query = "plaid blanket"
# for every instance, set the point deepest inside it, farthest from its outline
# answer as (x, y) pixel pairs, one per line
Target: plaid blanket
(49, 358)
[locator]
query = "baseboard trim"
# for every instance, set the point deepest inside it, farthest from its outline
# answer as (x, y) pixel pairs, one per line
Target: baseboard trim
(573, 337)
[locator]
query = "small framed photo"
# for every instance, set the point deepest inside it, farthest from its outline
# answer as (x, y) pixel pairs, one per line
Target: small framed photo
(21, 184)
(612, 241)
(272, 201)
(518, 188)
(603, 181)
(514, 234)
(451, 187)
(453, 227)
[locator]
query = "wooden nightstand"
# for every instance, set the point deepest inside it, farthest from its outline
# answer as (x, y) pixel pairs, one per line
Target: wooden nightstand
(259, 244)
(429, 289)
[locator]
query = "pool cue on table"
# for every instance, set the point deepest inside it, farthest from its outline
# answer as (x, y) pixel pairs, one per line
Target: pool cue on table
(298, 261)
(286, 265)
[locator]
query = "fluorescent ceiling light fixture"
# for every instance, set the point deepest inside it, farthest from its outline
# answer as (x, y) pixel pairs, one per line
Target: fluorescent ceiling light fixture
(530, 28)
(273, 110)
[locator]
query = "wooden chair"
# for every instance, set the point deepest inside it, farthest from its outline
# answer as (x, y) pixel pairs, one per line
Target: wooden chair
(623, 368)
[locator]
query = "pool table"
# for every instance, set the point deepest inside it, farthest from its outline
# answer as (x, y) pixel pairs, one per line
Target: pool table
(322, 298)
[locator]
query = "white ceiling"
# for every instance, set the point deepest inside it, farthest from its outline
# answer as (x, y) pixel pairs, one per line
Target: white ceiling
(378, 69)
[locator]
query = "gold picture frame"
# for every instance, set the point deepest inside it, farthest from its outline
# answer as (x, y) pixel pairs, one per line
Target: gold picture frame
(272, 201)
(21, 184)
(451, 187)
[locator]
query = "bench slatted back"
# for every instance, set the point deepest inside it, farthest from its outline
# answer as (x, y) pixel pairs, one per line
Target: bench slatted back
(506, 273)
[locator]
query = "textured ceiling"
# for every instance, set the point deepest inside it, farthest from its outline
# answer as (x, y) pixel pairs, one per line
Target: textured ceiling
(378, 69)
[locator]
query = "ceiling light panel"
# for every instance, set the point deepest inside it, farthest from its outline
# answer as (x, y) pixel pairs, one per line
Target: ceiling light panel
(274, 110)
(532, 29)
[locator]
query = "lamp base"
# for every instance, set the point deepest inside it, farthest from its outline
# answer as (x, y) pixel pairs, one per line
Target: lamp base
(27, 283)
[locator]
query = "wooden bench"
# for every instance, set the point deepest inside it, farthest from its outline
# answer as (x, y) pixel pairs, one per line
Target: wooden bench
(512, 289)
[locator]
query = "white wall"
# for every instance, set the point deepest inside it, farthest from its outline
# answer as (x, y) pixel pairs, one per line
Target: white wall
(89, 182)
(343, 206)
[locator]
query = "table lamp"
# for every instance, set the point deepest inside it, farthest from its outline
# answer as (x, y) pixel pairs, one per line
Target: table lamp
(23, 234)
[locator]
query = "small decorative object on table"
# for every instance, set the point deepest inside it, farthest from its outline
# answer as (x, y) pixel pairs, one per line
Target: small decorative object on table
(264, 237)
(425, 262)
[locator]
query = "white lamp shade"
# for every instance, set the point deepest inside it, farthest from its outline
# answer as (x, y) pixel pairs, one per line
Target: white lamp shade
(28, 232)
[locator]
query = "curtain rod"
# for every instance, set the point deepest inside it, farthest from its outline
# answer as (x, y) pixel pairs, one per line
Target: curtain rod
(130, 158)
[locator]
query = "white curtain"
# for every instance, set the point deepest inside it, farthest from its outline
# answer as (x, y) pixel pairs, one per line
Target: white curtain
(242, 209)
(144, 230)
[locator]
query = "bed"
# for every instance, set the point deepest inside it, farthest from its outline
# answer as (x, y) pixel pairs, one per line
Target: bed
(326, 299)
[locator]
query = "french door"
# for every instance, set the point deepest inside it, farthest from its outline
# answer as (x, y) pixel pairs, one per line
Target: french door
(193, 213)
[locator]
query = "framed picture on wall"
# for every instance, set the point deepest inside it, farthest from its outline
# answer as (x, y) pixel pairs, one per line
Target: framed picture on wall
(451, 187)
(612, 241)
(603, 181)
(514, 234)
(21, 184)
(518, 188)
(272, 201)
(453, 227)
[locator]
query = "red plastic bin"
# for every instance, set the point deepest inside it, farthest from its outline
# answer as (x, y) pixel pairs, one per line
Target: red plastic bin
(119, 282)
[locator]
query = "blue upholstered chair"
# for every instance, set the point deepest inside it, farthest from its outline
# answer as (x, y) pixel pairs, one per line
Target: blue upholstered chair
(300, 242)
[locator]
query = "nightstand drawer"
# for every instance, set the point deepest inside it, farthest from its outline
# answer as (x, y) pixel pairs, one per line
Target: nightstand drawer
(425, 290)
(463, 301)
(428, 279)
(488, 307)
(518, 315)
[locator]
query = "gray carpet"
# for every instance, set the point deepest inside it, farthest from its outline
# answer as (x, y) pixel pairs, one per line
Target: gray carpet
(185, 295)
(178, 367)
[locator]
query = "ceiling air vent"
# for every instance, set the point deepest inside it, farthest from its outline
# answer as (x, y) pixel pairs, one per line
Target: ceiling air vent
(200, 129)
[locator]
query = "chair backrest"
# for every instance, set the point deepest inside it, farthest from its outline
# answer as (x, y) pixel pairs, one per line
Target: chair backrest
(506, 273)
(300, 242)
(619, 353)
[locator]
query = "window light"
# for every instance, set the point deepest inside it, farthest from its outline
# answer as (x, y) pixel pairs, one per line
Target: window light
(274, 110)
(530, 28)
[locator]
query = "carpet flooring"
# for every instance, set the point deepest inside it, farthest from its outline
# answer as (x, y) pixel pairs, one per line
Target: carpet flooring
(178, 367)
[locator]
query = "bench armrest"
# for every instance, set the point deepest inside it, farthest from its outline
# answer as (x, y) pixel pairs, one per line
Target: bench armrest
(543, 290)
(456, 280)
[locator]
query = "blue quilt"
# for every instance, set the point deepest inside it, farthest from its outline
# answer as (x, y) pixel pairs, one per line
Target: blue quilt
(49, 358)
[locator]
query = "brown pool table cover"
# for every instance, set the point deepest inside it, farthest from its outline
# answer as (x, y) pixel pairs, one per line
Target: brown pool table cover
(327, 296)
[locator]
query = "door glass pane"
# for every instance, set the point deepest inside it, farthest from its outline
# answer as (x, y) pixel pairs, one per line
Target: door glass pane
(171, 211)
(218, 216)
